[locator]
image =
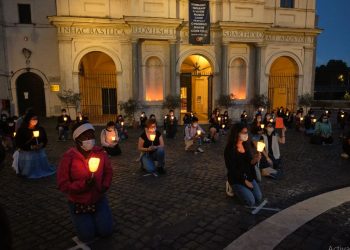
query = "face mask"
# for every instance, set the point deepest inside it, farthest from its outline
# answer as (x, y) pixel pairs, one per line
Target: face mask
(195, 125)
(270, 130)
(33, 122)
(259, 119)
(88, 144)
(325, 120)
(243, 137)
(11, 124)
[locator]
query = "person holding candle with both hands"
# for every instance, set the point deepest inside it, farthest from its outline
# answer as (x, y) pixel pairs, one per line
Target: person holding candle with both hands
(84, 175)
(110, 139)
(193, 136)
(151, 145)
(31, 140)
(63, 123)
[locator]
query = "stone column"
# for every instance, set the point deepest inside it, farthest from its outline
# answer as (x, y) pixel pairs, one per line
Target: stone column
(172, 66)
(261, 86)
(224, 69)
(135, 69)
(307, 85)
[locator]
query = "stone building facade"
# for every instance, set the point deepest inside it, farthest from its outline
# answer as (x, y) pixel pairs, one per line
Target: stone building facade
(113, 50)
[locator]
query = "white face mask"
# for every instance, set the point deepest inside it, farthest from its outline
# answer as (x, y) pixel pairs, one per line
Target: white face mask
(269, 130)
(243, 137)
(258, 119)
(88, 144)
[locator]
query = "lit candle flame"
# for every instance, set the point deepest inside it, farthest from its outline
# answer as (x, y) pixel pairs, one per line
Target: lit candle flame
(301, 118)
(65, 119)
(122, 123)
(93, 164)
(172, 117)
(271, 120)
(260, 146)
(14, 134)
(314, 120)
(262, 126)
(223, 125)
(219, 118)
(199, 132)
(342, 116)
(36, 133)
(152, 137)
(113, 138)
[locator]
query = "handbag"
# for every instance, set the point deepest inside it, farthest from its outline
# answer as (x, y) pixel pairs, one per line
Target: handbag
(84, 208)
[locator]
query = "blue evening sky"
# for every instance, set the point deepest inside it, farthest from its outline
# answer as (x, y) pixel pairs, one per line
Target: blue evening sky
(334, 41)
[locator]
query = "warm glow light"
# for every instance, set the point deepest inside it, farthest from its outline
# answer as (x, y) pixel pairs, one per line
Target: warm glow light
(93, 164)
(342, 116)
(14, 134)
(260, 146)
(113, 138)
(152, 137)
(314, 120)
(223, 126)
(199, 132)
(219, 118)
(262, 126)
(122, 123)
(326, 111)
(271, 120)
(172, 117)
(36, 133)
(65, 119)
(301, 118)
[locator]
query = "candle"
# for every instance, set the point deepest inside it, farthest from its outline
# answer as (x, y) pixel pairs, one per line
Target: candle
(301, 118)
(271, 120)
(342, 115)
(314, 120)
(36, 133)
(262, 126)
(65, 119)
(80, 118)
(223, 126)
(172, 117)
(93, 164)
(219, 118)
(260, 146)
(165, 117)
(199, 132)
(152, 137)
(262, 109)
(122, 123)
(113, 138)
(14, 134)
(326, 111)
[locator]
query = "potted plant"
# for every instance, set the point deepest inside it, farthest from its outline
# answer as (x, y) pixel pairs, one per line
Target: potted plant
(305, 100)
(225, 101)
(260, 101)
(130, 107)
(70, 100)
(171, 102)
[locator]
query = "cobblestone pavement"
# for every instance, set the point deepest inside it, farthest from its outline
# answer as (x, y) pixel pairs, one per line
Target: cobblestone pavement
(185, 209)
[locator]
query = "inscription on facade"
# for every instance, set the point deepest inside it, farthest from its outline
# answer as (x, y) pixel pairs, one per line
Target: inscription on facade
(149, 30)
(98, 31)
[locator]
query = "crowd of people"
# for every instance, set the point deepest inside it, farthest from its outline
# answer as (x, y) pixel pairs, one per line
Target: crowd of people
(84, 173)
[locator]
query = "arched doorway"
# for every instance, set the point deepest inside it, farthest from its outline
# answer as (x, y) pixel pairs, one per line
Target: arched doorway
(98, 87)
(196, 86)
(30, 93)
(283, 83)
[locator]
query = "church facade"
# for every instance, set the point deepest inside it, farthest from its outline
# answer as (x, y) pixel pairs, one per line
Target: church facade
(113, 50)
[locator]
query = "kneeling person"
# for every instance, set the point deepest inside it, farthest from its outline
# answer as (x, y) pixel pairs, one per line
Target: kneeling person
(110, 139)
(193, 136)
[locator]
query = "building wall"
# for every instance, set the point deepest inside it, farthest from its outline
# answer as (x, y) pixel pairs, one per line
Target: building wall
(41, 39)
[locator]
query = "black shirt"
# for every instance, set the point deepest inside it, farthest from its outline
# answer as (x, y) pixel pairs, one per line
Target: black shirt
(25, 138)
(147, 143)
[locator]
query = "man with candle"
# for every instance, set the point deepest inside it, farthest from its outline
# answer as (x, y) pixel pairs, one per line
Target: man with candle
(171, 124)
(151, 146)
(63, 123)
(31, 140)
(193, 136)
(110, 139)
(84, 175)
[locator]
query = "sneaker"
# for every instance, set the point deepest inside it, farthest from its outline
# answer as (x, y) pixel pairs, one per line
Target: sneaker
(200, 150)
(344, 155)
(229, 190)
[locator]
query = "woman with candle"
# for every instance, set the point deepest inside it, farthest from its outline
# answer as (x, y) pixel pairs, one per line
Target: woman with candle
(121, 128)
(151, 145)
(214, 126)
(84, 175)
(240, 166)
(31, 140)
(257, 127)
(193, 136)
(323, 131)
(110, 139)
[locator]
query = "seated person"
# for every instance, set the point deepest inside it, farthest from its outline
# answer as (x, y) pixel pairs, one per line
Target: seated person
(120, 126)
(110, 139)
(323, 131)
(346, 147)
(193, 136)
(244, 118)
(214, 127)
(151, 145)
(80, 118)
(257, 127)
(171, 125)
(143, 119)
(309, 123)
(63, 122)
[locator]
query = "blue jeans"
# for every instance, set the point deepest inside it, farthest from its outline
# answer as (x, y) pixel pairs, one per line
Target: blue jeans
(90, 225)
(148, 160)
(62, 133)
(248, 196)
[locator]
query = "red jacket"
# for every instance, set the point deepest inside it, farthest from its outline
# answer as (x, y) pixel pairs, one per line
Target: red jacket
(73, 171)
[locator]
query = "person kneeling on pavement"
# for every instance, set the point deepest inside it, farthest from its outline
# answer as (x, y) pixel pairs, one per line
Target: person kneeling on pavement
(270, 163)
(240, 166)
(346, 147)
(151, 145)
(323, 131)
(84, 175)
(110, 139)
(193, 136)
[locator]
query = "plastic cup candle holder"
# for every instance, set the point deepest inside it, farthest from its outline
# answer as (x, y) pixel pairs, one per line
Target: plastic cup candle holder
(165, 117)
(301, 118)
(314, 120)
(65, 119)
(122, 123)
(326, 111)
(219, 118)
(36, 134)
(199, 132)
(262, 126)
(152, 137)
(271, 120)
(94, 162)
(223, 126)
(260, 146)
(342, 115)
(113, 138)
(14, 134)
(172, 117)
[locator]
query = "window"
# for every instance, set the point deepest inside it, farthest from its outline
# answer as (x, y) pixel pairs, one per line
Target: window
(238, 83)
(287, 4)
(109, 101)
(154, 79)
(24, 13)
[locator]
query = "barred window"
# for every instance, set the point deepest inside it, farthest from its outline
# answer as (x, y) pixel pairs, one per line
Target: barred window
(24, 13)
(109, 101)
(287, 4)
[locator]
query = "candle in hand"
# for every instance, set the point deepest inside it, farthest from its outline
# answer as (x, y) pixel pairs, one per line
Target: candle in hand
(14, 134)
(260, 146)
(65, 119)
(199, 132)
(122, 123)
(223, 126)
(152, 137)
(301, 118)
(113, 138)
(93, 164)
(36, 133)
(342, 115)
(262, 126)
(219, 118)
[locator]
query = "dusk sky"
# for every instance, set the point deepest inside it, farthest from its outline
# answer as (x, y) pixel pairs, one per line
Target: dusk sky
(334, 41)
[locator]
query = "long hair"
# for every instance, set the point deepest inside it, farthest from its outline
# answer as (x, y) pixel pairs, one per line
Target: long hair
(233, 136)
